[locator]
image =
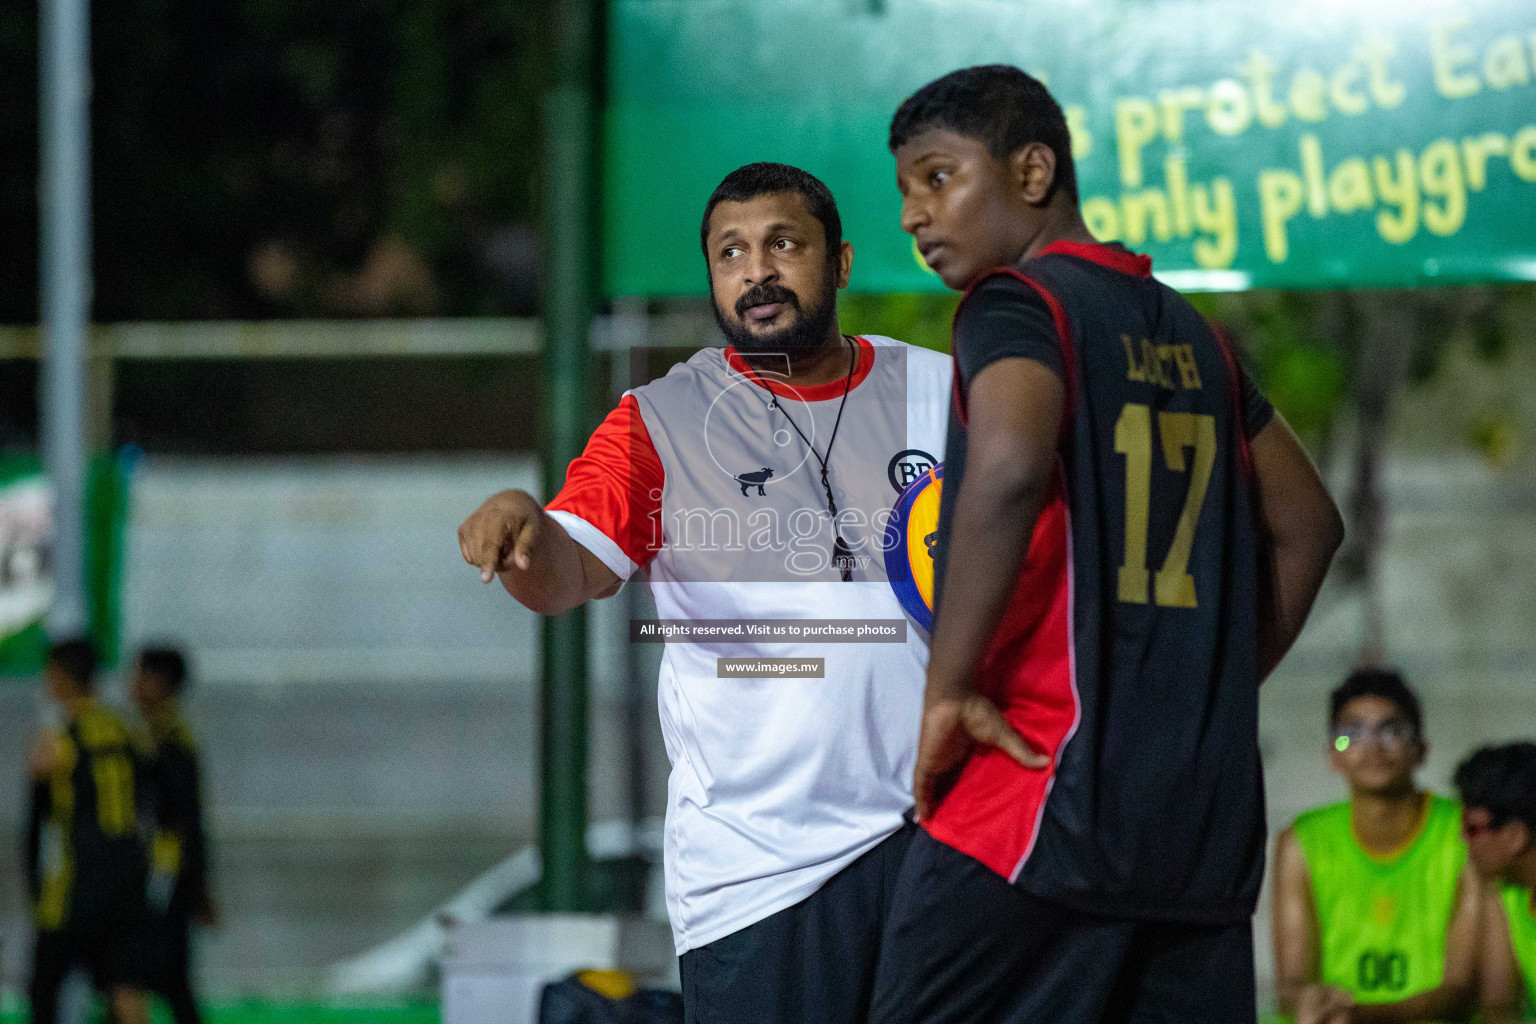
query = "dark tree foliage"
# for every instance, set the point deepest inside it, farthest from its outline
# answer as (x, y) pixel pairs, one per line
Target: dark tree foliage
(18, 161)
(281, 158)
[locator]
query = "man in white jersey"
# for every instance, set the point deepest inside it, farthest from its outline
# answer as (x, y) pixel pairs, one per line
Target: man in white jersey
(754, 485)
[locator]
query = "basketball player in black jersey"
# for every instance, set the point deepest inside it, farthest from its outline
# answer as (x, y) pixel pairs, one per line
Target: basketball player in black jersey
(1130, 539)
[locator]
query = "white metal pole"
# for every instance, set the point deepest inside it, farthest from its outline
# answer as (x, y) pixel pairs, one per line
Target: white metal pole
(630, 325)
(64, 192)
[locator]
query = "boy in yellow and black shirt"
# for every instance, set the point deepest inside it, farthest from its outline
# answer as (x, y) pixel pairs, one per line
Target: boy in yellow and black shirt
(85, 863)
(178, 882)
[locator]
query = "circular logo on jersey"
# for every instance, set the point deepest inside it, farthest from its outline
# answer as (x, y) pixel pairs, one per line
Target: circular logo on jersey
(906, 466)
(909, 541)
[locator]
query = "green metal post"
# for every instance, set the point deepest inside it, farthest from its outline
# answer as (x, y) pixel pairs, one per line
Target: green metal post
(571, 193)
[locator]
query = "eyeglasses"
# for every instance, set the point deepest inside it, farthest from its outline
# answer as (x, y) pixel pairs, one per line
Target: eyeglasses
(1392, 735)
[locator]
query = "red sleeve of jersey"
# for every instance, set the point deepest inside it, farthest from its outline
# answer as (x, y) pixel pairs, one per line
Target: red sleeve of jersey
(615, 484)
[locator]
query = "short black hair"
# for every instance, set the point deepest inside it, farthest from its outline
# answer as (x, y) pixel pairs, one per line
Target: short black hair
(1502, 781)
(167, 663)
(76, 658)
(1386, 683)
(998, 105)
(761, 179)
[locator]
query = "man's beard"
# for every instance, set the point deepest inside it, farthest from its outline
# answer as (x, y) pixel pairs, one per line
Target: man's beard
(810, 328)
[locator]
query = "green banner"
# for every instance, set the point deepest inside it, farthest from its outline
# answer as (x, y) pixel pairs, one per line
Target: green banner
(106, 538)
(26, 586)
(26, 531)
(1242, 145)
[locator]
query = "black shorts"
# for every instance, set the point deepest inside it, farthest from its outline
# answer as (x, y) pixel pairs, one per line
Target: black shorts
(106, 954)
(159, 952)
(963, 946)
(812, 963)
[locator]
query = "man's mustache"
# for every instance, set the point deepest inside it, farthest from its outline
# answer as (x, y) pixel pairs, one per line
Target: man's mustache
(762, 295)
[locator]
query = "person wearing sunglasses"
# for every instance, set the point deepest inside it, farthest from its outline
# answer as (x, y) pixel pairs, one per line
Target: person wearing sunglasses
(1498, 794)
(1376, 908)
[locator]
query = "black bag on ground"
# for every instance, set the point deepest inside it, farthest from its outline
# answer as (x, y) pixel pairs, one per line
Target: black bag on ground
(607, 997)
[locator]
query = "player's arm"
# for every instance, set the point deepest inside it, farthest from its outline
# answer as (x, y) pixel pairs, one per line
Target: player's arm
(611, 498)
(45, 755)
(43, 758)
(37, 810)
(1300, 530)
(1455, 996)
(183, 795)
(513, 538)
(1293, 914)
(1014, 410)
(1502, 986)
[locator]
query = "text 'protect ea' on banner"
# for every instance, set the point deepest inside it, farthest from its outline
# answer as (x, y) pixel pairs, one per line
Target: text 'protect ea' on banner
(1241, 145)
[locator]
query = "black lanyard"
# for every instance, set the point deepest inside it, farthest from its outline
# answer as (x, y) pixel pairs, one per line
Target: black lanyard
(842, 557)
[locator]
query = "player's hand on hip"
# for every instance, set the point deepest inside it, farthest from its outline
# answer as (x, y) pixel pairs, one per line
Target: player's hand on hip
(499, 536)
(952, 729)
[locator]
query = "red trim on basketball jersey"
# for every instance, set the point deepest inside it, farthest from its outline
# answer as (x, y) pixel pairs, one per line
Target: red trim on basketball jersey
(993, 813)
(1077, 697)
(616, 482)
(808, 392)
(1068, 350)
(1063, 339)
(1115, 257)
(1235, 390)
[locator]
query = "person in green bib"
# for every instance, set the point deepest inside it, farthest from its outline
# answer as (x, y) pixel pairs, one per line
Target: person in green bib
(1377, 912)
(1498, 792)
